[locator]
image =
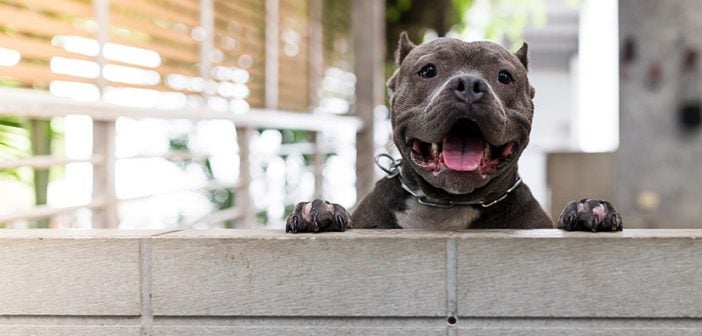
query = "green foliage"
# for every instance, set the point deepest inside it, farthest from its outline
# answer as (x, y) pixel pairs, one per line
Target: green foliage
(179, 143)
(14, 143)
(14, 138)
(506, 24)
(459, 9)
(21, 138)
(416, 18)
(220, 198)
(395, 9)
(511, 16)
(296, 136)
(262, 217)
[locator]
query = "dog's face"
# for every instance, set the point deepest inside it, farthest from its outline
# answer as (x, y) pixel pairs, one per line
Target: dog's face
(461, 112)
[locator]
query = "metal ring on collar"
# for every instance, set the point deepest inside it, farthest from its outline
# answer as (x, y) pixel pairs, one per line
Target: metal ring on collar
(393, 169)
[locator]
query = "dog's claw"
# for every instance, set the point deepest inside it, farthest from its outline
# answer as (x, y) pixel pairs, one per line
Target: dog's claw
(317, 216)
(291, 225)
(590, 215)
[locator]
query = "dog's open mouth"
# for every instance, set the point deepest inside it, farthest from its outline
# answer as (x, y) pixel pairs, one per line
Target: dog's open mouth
(463, 149)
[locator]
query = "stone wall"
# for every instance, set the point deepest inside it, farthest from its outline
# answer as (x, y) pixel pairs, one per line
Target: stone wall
(391, 282)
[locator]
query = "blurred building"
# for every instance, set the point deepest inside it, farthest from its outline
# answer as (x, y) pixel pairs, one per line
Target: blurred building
(659, 175)
(648, 163)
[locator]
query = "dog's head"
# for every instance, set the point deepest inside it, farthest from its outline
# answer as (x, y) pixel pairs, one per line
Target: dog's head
(461, 112)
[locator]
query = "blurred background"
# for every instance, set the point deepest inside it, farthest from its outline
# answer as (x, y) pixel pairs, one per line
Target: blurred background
(213, 113)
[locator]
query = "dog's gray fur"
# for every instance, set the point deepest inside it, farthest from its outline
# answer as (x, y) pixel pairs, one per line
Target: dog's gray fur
(427, 108)
(467, 96)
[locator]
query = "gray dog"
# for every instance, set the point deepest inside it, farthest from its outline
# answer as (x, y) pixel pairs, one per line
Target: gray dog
(461, 117)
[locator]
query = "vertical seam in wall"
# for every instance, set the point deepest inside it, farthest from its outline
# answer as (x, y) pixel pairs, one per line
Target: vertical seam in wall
(451, 283)
(147, 316)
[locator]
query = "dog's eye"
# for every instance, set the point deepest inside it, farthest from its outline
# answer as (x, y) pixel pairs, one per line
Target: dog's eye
(428, 71)
(505, 77)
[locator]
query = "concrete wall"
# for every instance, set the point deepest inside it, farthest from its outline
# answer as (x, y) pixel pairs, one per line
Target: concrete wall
(540, 282)
(659, 177)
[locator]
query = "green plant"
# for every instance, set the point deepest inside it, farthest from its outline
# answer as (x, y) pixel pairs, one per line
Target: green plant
(418, 17)
(506, 24)
(220, 198)
(14, 138)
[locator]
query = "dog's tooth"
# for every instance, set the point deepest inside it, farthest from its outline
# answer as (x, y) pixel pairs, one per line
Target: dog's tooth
(435, 150)
(486, 150)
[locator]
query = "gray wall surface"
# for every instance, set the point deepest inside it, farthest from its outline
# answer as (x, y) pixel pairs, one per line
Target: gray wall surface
(659, 174)
(361, 282)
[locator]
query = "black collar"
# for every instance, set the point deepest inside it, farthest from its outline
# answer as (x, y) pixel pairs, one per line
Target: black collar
(395, 170)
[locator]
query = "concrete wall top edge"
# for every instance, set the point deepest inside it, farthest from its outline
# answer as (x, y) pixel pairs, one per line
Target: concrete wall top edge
(351, 234)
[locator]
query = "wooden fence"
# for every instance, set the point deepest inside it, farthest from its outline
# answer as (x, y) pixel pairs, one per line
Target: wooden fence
(393, 282)
(104, 202)
(283, 48)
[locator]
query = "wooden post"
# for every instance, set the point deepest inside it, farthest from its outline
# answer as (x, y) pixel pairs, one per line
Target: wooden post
(104, 175)
(104, 136)
(40, 135)
(243, 194)
(316, 67)
(368, 26)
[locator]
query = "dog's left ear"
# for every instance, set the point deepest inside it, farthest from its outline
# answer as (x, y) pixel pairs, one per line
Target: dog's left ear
(522, 55)
(404, 46)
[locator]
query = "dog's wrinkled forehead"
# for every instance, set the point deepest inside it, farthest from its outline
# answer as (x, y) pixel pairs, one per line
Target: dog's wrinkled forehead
(464, 56)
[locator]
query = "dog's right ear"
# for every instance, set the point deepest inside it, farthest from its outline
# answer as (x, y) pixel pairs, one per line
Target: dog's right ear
(404, 46)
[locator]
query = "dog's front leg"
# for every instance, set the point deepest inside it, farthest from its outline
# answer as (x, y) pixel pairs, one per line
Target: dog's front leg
(590, 215)
(317, 216)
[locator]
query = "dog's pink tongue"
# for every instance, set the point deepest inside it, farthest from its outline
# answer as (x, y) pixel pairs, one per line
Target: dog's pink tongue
(462, 154)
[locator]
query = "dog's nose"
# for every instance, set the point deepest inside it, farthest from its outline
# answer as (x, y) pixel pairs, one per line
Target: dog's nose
(470, 89)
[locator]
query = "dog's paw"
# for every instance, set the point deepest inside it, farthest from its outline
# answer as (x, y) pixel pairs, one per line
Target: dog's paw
(590, 215)
(317, 216)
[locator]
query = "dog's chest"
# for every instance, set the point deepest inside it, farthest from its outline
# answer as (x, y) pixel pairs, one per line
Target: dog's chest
(418, 216)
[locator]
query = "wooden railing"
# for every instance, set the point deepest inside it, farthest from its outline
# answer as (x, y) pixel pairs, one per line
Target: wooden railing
(39, 105)
(391, 282)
